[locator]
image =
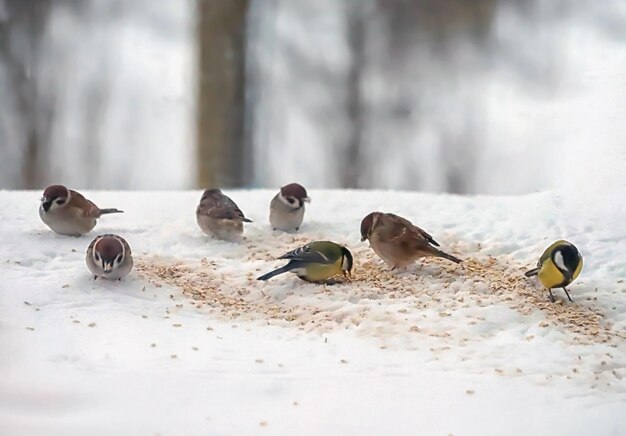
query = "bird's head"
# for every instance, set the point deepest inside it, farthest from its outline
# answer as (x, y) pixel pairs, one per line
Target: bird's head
(54, 197)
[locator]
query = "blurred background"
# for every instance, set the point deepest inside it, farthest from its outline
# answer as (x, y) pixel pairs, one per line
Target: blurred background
(470, 97)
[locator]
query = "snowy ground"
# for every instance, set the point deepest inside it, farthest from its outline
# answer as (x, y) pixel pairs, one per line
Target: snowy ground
(190, 343)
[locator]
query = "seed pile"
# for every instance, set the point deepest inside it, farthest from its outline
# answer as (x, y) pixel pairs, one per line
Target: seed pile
(375, 295)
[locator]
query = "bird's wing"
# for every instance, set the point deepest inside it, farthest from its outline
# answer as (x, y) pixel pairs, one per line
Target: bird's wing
(405, 229)
(89, 209)
(221, 208)
(307, 254)
(224, 211)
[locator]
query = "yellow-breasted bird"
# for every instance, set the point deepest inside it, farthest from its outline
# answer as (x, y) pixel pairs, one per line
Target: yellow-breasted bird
(316, 262)
(558, 266)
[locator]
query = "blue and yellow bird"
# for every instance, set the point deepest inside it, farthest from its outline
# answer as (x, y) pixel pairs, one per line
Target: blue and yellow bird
(558, 266)
(316, 262)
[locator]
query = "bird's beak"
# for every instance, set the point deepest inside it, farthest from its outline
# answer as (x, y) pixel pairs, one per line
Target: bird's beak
(108, 267)
(306, 199)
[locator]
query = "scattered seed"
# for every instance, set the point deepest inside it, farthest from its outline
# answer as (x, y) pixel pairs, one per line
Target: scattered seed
(30, 328)
(263, 424)
(343, 361)
(177, 325)
(92, 324)
(174, 356)
(66, 285)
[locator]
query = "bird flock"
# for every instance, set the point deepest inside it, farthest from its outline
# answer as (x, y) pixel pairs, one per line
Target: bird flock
(396, 240)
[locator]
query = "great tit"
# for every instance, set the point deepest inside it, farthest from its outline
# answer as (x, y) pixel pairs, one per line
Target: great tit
(287, 208)
(316, 262)
(558, 266)
(399, 242)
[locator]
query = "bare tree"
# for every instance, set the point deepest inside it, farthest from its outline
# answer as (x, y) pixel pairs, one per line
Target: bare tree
(221, 146)
(21, 36)
(355, 25)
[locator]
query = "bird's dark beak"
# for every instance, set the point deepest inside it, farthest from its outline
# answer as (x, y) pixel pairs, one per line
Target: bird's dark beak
(107, 267)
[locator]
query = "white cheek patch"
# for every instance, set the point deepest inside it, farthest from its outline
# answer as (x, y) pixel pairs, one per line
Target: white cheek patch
(558, 260)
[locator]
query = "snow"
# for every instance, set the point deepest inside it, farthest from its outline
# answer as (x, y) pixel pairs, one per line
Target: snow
(434, 349)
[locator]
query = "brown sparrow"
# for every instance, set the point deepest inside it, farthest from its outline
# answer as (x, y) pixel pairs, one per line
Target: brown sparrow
(67, 212)
(109, 256)
(287, 208)
(397, 241)
(218, 216)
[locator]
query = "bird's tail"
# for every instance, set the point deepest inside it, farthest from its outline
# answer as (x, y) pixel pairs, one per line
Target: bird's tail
(532, 272)
(246, 220)
(276, 272)
(112, 210)
(451, 258)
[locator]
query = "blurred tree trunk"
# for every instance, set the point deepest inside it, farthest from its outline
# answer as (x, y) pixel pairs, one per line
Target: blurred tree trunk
(351, 168)
(21, 35)
(220, 141)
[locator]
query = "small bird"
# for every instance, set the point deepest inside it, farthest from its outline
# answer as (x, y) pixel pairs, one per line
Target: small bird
(316, 262)
(397, 241)
(558, 266)
(67, 212)
(109, 256)
(287, 208)
(218, 216)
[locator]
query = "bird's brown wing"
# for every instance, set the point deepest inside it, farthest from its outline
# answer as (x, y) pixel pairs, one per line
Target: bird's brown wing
(406, 230)
(88, 208)
(222, 211)
(221, 207)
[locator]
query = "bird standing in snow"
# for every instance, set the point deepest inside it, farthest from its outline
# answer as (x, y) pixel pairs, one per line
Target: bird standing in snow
(67, 212)
(397, 241)
(559, 265)
(287, 208)
(316, 262)
(218, 216)
(109, 256)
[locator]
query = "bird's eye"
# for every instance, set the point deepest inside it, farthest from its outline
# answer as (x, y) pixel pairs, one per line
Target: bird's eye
(291, 200)
(97, 256)
(119, 259)
(60, 202)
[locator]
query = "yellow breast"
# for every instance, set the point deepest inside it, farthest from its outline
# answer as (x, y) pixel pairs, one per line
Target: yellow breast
(320, 273)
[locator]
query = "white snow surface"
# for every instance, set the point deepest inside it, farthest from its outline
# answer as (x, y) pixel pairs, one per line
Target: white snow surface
(434, 349)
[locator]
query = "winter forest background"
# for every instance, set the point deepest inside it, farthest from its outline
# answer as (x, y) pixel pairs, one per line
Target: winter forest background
(487, 96)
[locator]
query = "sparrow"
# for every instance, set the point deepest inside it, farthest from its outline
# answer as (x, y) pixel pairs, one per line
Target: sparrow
(218, 216)
(559, 265)
(67, 212)
(109, 256)
(397, 241)
(316, 262)
(287, 208)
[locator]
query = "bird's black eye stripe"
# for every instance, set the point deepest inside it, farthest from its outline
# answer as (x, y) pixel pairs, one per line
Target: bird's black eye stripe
(291, 200)
(119, 259)
(97, 256)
